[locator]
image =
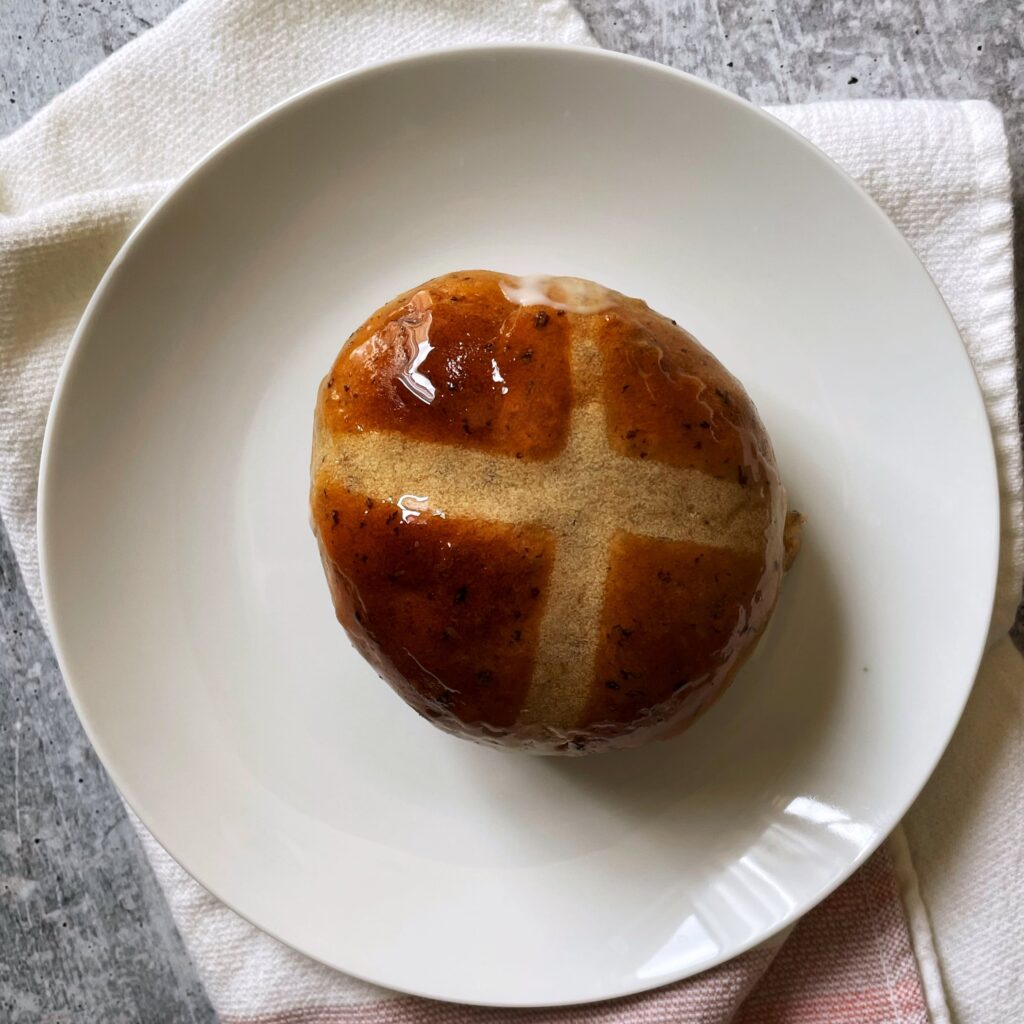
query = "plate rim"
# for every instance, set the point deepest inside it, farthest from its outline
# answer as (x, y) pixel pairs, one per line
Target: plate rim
(77, 345)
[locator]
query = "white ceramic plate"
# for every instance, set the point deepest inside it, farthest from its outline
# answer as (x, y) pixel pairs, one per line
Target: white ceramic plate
(194, 626)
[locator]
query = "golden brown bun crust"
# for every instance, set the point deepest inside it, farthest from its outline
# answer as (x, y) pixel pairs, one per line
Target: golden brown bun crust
(548, 516)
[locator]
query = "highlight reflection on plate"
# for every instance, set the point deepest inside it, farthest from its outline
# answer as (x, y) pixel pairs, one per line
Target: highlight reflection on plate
(196, 633)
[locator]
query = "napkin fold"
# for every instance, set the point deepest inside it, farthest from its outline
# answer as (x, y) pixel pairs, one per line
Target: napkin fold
(77, 178)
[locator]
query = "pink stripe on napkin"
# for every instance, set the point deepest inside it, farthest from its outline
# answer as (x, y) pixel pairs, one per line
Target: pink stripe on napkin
(849, 961)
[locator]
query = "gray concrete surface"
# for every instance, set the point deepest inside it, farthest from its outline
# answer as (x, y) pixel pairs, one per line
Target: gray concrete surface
(84, 933)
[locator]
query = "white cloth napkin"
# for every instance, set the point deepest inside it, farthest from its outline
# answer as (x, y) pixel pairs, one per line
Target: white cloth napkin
(940, 171)
(77, 178)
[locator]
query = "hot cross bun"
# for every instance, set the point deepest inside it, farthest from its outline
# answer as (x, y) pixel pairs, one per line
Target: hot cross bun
(548, 516)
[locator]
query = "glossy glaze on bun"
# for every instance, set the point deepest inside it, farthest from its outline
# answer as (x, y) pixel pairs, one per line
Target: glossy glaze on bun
(549, 518)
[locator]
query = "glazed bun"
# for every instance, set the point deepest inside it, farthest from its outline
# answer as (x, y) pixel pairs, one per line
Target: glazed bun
(548, 516)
